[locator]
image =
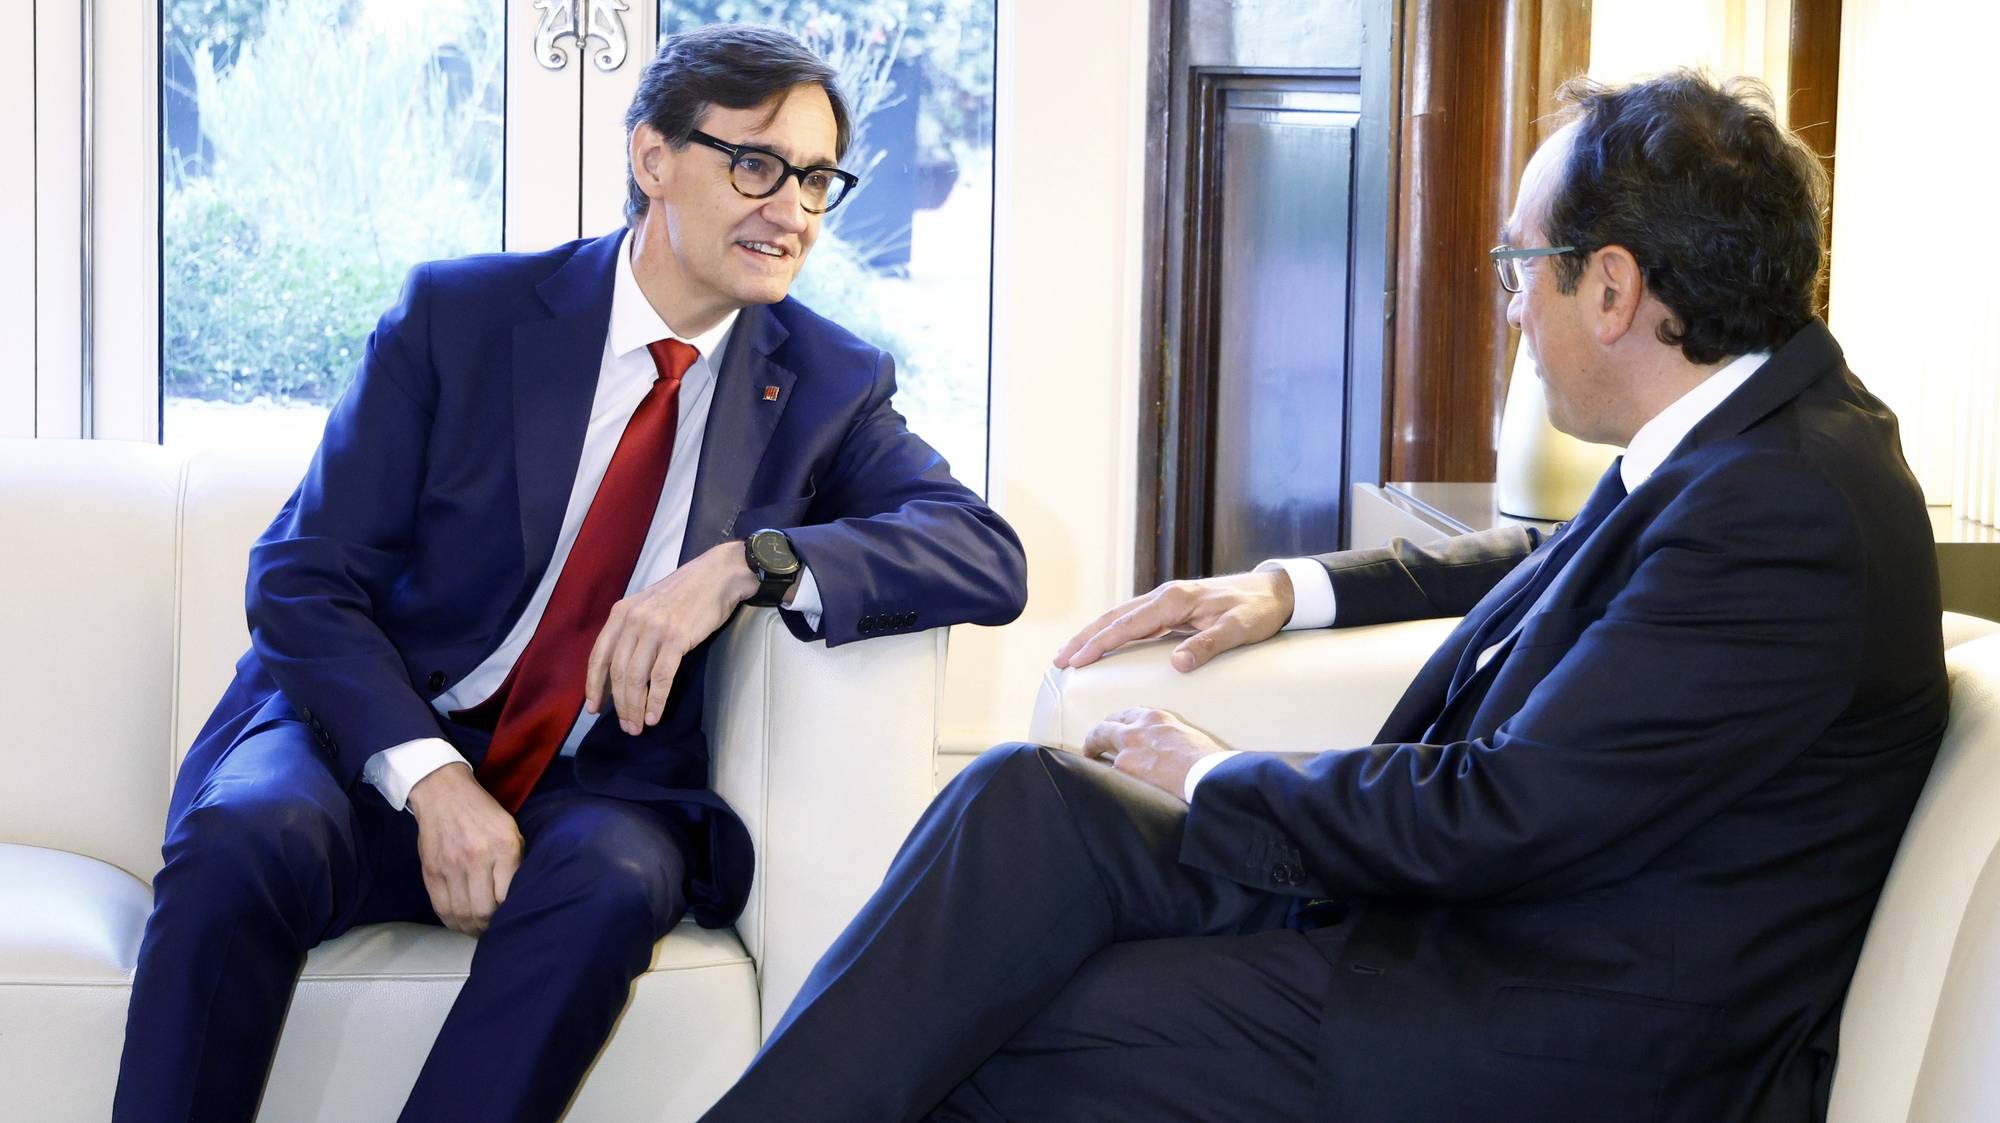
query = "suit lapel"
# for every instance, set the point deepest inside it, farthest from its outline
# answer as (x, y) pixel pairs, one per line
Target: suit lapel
(741, 420)
(556, 364)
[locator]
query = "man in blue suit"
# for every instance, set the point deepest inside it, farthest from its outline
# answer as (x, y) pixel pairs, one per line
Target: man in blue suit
(1615, 850)
(481, 622)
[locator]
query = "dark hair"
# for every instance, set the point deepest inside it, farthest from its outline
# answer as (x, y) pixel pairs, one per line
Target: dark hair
(734, 65)
(1720, 205)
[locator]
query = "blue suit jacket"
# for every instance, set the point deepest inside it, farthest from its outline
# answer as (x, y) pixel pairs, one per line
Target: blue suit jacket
(1624, 873)
(431, 510)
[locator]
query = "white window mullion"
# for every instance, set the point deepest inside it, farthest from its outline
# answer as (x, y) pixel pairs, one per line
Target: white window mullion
(58, 219)
(125, 223)
(606, 96)
(544, 178)
(17, 264)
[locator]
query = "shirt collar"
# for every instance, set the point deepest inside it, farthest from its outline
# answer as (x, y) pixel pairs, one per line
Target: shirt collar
(634, 324)
(1656, 439)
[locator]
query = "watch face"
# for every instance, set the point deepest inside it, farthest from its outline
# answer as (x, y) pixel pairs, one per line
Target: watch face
(773, 552)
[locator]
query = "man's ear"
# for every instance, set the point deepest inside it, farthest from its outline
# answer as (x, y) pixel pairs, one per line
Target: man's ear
(650, 167)
(1615, 273)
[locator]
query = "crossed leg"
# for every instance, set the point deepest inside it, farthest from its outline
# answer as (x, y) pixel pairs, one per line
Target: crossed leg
(1036, 925)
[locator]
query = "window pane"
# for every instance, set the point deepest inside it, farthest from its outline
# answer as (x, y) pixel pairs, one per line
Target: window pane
(312, 152)
(906, 263)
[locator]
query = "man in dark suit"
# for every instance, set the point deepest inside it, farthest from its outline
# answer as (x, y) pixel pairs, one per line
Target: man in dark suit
(1615, 851)
(489, 603)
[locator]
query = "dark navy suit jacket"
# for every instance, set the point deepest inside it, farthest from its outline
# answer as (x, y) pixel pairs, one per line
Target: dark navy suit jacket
(431, 510)
(1625, 872)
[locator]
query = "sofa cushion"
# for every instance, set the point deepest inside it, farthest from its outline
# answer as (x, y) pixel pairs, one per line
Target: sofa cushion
(86, 645)
(69, 936)
(1887, 1019)
(65, 918)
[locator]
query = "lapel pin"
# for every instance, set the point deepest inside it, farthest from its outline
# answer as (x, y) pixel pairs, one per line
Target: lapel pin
(770, 393)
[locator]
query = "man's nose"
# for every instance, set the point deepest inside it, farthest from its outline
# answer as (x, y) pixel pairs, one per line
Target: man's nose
(1514, 303)
(786, 209)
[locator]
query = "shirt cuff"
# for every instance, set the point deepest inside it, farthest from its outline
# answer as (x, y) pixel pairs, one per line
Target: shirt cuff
(1202, 768)
(1312, 592)
(805, 598)
(396, 769)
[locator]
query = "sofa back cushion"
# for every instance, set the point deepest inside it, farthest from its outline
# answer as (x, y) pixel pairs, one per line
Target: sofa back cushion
(87, 645)
(1907, 963)
(229, 501)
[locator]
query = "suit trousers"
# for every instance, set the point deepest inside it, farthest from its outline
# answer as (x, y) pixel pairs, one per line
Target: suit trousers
(1038, 952)
(272, 857)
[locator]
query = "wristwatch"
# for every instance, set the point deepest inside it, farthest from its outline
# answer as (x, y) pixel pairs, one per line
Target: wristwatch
(769, 555)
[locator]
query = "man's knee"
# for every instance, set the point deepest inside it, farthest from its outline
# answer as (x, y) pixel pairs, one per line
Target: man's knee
(620, 884)
(1014, 763)
(239, 856)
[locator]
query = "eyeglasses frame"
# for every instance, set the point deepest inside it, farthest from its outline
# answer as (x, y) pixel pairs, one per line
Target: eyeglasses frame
(1504, 253)
(736, 151)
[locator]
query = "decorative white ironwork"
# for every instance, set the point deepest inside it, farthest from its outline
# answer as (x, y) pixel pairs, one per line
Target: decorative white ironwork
(558, 22)
(599, 23)
(605, 25)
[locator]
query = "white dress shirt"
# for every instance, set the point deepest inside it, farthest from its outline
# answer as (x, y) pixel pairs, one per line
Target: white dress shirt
(625, 374)
(1312, 586)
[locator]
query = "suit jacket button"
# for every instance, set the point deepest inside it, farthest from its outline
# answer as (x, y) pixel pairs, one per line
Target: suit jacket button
(435, 681)
(867, 624)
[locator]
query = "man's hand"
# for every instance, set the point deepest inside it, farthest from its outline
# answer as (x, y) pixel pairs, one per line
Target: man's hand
(1222, 612)
(1153, 745)
(469, 846)
(648, 634)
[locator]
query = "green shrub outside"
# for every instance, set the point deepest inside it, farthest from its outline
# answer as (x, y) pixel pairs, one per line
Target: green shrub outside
(347, 147)
(337, 167)
(253, 316)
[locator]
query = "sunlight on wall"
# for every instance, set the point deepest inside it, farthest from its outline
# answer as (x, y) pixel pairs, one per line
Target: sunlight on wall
(1911, 301)
(1633, 38)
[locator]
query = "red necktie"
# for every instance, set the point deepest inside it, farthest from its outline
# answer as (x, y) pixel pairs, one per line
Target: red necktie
(543, 694)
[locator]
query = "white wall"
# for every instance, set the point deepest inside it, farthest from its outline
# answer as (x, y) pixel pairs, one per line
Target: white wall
(1634, 38)
(1912, 300)
(1066, 290)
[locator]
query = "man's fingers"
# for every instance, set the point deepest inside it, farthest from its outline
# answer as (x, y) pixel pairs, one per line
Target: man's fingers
(1227, 632)
(1102, 740)
(503, 879)
(1169, 608)
(481, 902)
(457, 903)
(599, 667)
(1109, 737)
(1148, 621)
(666, 665)
(629, 669)
(1088, 631)
(440, 895)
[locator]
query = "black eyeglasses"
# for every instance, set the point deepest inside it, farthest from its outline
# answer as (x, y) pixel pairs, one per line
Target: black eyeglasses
(1507, 262)
(757, 173)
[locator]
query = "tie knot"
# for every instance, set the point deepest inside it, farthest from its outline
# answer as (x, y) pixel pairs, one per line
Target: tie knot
(671, 358)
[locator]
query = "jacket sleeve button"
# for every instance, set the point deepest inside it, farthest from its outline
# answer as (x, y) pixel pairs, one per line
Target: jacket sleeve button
(435, 681)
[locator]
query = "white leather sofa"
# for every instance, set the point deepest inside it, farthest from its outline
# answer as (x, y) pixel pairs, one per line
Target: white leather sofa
(1920, 1033)
(121, 616)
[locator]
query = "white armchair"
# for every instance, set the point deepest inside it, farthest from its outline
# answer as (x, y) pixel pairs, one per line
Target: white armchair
(1920, 1034)
(121, 614)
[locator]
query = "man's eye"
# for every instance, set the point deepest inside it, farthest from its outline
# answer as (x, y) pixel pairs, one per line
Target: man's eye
(817, 181)
(754, 164)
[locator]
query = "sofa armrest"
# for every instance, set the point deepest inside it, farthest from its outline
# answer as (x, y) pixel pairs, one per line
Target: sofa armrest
(829, 756)
(1298, 691)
